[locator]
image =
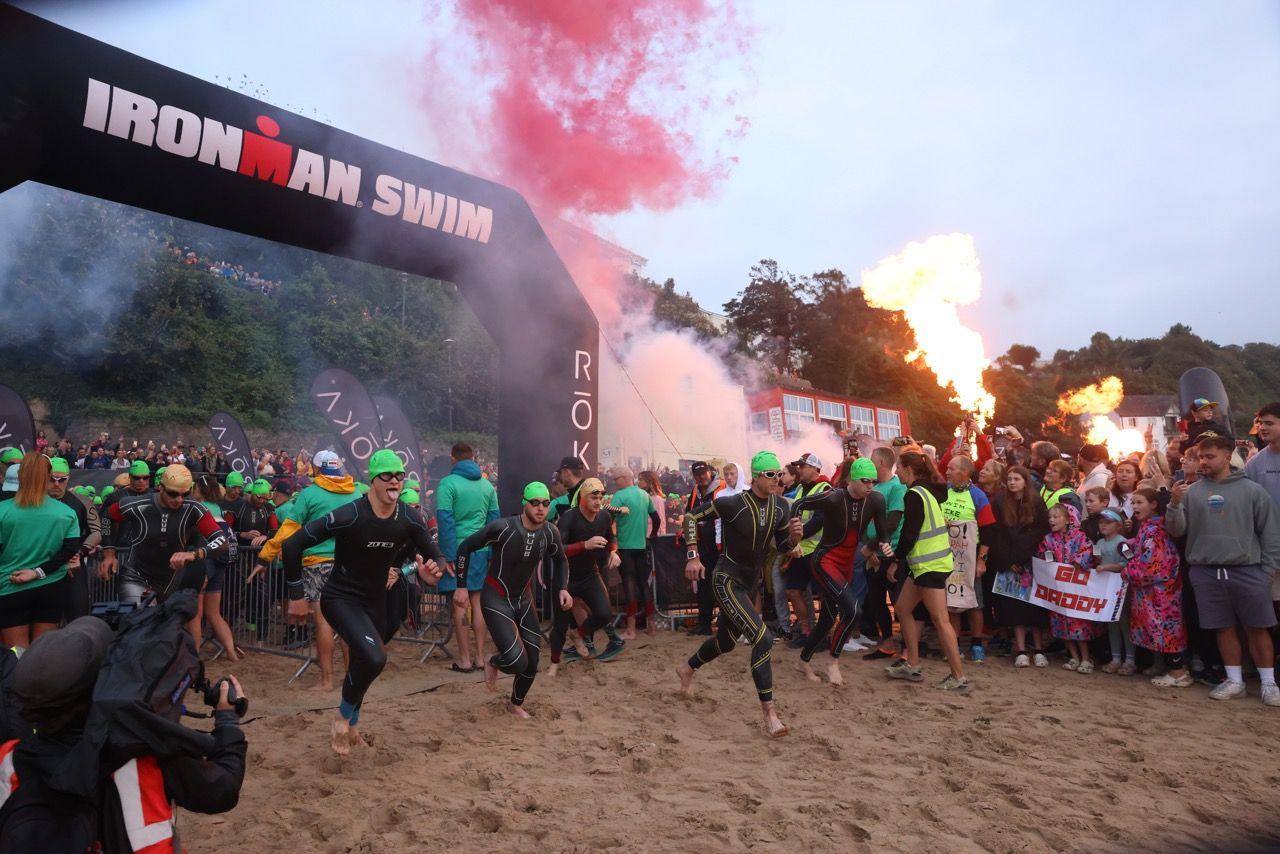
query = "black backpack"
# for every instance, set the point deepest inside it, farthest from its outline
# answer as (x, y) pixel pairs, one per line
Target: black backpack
(138, 699)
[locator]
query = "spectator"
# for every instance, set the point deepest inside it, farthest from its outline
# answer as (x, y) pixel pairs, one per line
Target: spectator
(706, 487)
(1022, 521)
(41, 441)
(1109, 548)
(1091, 463)
(1042, 453)
(991, 477)
(1057, 486)
(1155, 615)
(1203, 419)
(1233, 546)
(877, 622)
(1096, 500)
(965, 502)
(799, 575)
(465, 503)
(1127, 475)
(1066, 543)
(121, 460)
(1264, 468)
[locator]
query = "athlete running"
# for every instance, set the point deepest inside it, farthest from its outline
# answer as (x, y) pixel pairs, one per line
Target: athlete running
(519, 544)
(752, 522)
(167, 534)
(590, 546)
(368, 534)
(843, 515)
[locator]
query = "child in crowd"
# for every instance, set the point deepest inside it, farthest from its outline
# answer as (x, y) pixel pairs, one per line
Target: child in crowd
(1095, 501)
(1066, 543)
(1155, 617)
(1111, 559)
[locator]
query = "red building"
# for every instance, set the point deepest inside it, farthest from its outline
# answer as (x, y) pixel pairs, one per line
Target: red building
(779, 411)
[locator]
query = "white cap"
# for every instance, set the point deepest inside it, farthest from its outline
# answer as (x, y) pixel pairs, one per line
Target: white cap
(809, 460)
(327, 460)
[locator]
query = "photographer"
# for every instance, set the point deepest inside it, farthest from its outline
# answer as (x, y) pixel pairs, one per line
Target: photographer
(54, 686)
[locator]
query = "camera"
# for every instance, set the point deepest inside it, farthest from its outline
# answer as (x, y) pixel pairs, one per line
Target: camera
(1000, 431)
(212, 691)
(112, 613)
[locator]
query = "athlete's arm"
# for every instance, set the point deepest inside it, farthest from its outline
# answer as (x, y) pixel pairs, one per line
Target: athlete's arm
(782, 531)
(311, 534)
(559, 566)
(814, 501)
(486, 536)
(65, 552)
(422, 542)
(693, 517)
(211, 534)
(873, 511)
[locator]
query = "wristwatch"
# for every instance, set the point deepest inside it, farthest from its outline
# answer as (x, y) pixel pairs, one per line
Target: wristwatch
(691, 554)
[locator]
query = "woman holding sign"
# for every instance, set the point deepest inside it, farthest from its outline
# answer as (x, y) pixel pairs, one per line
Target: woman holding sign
(1155, 615)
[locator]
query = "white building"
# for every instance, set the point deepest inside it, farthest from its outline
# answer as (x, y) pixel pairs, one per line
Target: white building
(1155, 412)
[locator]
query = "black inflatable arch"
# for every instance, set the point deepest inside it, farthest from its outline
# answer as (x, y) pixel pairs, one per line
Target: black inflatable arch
(85, 116)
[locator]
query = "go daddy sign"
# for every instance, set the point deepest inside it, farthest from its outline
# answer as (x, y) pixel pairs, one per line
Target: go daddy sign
(1074, 592)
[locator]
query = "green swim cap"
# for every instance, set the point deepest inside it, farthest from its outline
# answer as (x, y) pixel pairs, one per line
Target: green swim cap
(235, 479)
(385, 461)
(765, 461)
(410, 496)
(672, 496)
(79, 490)
(10, 455)
(261, 486)
(159, 474)
(537, 489)
(58, 465)
(108, 490)
(139, 468)
(97, 501)
(863, 469)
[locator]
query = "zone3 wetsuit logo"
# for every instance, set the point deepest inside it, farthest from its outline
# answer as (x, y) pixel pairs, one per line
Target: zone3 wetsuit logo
(118, 112)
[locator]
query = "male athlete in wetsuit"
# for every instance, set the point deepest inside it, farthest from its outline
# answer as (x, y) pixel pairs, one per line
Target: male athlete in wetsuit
(750, 522)
(590, 546)
(844, 515)
(519, 543)
(369, 535)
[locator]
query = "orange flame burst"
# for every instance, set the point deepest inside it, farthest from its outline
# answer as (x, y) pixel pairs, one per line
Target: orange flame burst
(928, 281)
(1096, 403)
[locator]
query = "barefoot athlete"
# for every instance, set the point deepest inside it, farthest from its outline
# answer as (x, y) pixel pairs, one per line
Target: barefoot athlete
(368, 535)
(518, 545)
(330, 490)
(751, 522)
(586, 530)
(844, 515)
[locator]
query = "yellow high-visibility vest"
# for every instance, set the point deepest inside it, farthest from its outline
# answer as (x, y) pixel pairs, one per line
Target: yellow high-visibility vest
(932, 549)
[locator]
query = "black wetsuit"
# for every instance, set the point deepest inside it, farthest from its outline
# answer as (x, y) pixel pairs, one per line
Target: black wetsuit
(844, 524)
(750, 527)
(153, 533)
(585, 581)
(355, 598)
(76, 586)
(506, 599)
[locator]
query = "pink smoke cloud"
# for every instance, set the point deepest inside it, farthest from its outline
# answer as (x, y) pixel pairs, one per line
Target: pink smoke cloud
(590, 107)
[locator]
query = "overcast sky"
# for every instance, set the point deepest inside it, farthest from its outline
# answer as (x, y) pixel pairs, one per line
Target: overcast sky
(1117, 163)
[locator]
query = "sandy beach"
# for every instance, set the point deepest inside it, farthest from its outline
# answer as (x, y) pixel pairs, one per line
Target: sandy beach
(614, 758)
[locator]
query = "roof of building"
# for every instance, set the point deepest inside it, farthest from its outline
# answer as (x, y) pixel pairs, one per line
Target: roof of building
(1147, 406)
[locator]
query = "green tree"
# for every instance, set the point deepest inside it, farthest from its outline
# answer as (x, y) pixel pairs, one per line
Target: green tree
(768, 316)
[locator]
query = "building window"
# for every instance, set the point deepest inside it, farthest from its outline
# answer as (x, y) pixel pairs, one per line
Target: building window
(797, 411)
(833, 412)
(890, 423)
(862, 419)
(759, 422)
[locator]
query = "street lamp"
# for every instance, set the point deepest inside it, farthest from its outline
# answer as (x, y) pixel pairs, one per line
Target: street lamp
(448, 368)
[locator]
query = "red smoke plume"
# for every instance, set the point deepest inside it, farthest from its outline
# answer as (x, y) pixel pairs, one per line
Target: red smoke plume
(591, 102)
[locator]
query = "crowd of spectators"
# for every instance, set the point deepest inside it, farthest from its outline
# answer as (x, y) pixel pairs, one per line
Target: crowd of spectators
(236, 274)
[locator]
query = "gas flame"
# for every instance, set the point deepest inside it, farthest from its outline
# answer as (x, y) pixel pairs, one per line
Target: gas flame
(1096, 403)
(927, 281)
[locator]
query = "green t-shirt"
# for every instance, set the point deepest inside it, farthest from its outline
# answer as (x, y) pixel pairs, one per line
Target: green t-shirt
(895, 493)
(29, 536)
(633, 528)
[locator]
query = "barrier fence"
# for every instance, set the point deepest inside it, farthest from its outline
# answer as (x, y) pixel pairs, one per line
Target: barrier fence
(257, 612)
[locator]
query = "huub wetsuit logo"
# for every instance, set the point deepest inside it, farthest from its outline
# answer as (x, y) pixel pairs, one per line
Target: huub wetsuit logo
(118, 112)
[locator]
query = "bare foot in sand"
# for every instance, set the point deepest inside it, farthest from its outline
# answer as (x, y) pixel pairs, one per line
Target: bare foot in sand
(685, 672)
(553, 669)
(517, 711)
(323, 685)
(491, 676)
(629, 634)
(807, 669)
(340, 737)
(772, 725)
(356, 739)
(833, 673)
(650, 629)
(579, 645)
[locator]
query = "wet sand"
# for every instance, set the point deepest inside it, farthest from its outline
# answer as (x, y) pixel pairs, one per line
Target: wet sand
(615, 758)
